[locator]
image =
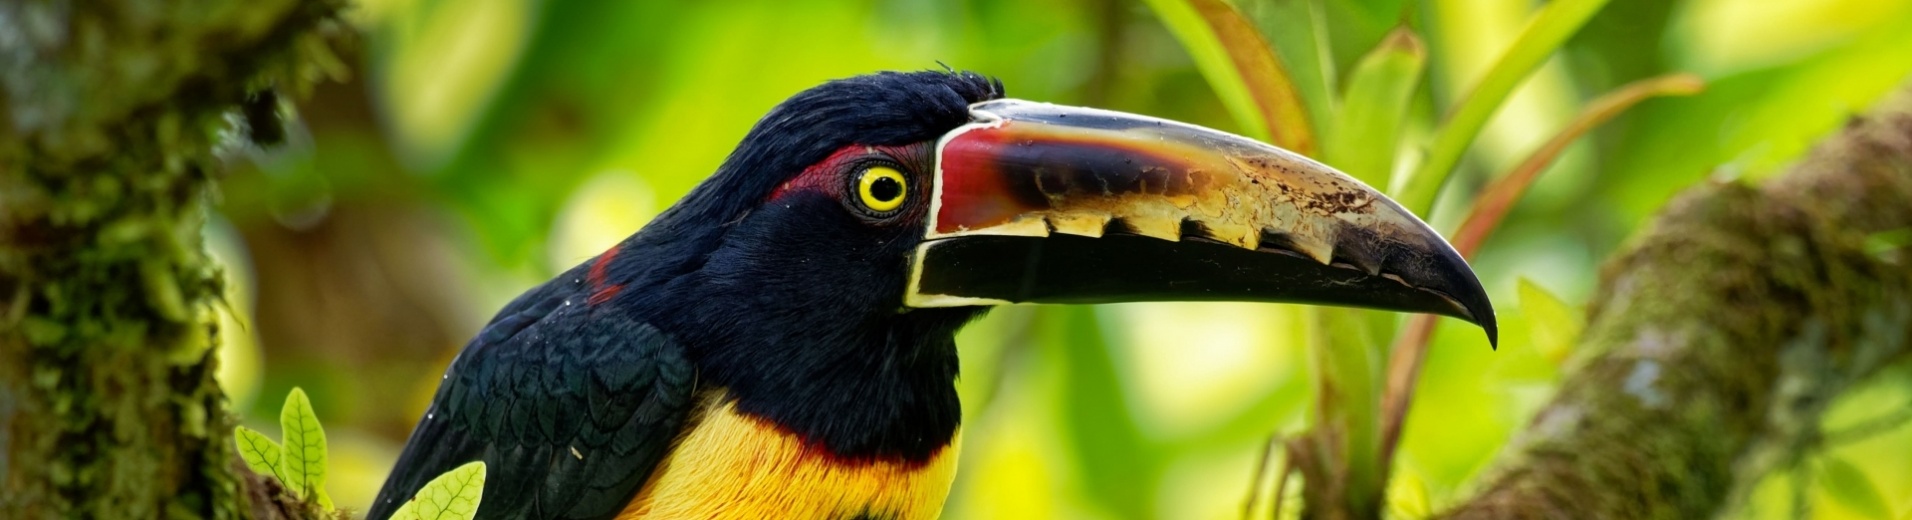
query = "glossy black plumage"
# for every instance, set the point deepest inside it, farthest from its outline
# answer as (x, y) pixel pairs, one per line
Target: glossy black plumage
(791, 306)
(569, 405)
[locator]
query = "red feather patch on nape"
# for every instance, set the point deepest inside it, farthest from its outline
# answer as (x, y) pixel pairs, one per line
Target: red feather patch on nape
(600, 292)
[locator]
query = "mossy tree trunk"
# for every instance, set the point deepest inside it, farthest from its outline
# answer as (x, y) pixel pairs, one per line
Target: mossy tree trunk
(110, 113)
(1720, 336)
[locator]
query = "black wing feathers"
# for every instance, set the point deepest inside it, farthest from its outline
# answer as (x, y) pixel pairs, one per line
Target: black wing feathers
(570, 406)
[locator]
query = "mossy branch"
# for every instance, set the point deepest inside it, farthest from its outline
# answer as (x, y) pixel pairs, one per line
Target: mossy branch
(110, 113)
(1719, 337)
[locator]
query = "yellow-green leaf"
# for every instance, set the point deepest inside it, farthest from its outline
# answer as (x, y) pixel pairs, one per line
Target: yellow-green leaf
(1349, 389)
(259, 452)
(1242, 68)
(1882, 244)
(1407, 496)
(1553, 325)
(451, 496)
(1850, 486)
(1368, 126)
(304, 445)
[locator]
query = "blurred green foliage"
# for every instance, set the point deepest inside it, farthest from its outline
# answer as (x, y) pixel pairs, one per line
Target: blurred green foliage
(485, 146)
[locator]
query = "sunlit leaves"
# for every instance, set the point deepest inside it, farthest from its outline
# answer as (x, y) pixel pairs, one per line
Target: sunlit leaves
(1118, 463)
(1726, 37)
(1553, 325)
(1888, 245)
(1487, 211)
(298, 463)
(1242, 69)
(454, 495)
(1851, 488)
(259, 452)
(304, 466)
(1350, 419)
(441, 68)
(1408, 496)
(1366, 128)
(1299, 32)
(1549, 29)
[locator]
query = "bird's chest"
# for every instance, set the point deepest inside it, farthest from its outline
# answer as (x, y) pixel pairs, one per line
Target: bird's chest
(730, 465)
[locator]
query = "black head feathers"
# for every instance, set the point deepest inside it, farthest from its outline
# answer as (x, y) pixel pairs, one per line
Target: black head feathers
(886, 108)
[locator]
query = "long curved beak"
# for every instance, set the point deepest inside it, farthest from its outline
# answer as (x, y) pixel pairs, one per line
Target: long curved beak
(1044, 203)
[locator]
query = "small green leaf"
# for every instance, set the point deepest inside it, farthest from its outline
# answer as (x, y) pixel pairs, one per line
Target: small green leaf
(1407, 496)
(1553, 324)
(1882, 244)
(452, 496)
(1850, 486)
(304, 445)
(259, 452)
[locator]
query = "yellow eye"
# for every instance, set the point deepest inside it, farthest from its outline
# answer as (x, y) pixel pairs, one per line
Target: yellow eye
(882, 188)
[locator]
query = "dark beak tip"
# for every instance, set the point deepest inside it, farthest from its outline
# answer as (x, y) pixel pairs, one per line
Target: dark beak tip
(1481, 311)
(1493, 332)
(1472, 299)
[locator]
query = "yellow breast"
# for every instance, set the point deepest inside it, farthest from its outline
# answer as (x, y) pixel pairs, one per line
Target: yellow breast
(730, 465)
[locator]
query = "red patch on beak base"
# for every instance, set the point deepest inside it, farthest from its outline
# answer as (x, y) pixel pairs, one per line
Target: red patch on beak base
(974, 191)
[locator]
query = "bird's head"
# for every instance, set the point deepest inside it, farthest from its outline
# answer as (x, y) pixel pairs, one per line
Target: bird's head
(897, 192)
(861, 222)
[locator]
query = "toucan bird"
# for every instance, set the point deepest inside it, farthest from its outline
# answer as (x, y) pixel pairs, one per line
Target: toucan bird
(779, 343)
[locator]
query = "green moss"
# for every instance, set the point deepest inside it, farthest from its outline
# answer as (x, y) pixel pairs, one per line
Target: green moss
(109, 156)
(1720, 337)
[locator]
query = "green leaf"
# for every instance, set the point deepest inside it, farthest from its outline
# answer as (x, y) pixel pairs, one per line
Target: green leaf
(1118, 464)
(304, 445)
(1493, 204)
(259, 452)
(1368, 127)
(1553, 325)
(1350, 356)
(1549, 29)
(1298, 31)
(1850, 486)
(1882, 244)
(1407, 496)
(1242, 68)
(452, 496)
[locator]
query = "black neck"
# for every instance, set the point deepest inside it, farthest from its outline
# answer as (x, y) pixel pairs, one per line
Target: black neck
(880, 390)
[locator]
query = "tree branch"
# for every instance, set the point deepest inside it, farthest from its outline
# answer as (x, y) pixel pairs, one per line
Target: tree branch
(110, 111)
(1719, 337)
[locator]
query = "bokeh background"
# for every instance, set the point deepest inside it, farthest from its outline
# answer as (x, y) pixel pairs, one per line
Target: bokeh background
(485, 145)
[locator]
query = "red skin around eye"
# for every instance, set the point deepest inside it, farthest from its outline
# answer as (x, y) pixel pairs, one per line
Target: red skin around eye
(826, 176)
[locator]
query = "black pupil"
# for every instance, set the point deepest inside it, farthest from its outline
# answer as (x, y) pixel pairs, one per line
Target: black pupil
(886, 189)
